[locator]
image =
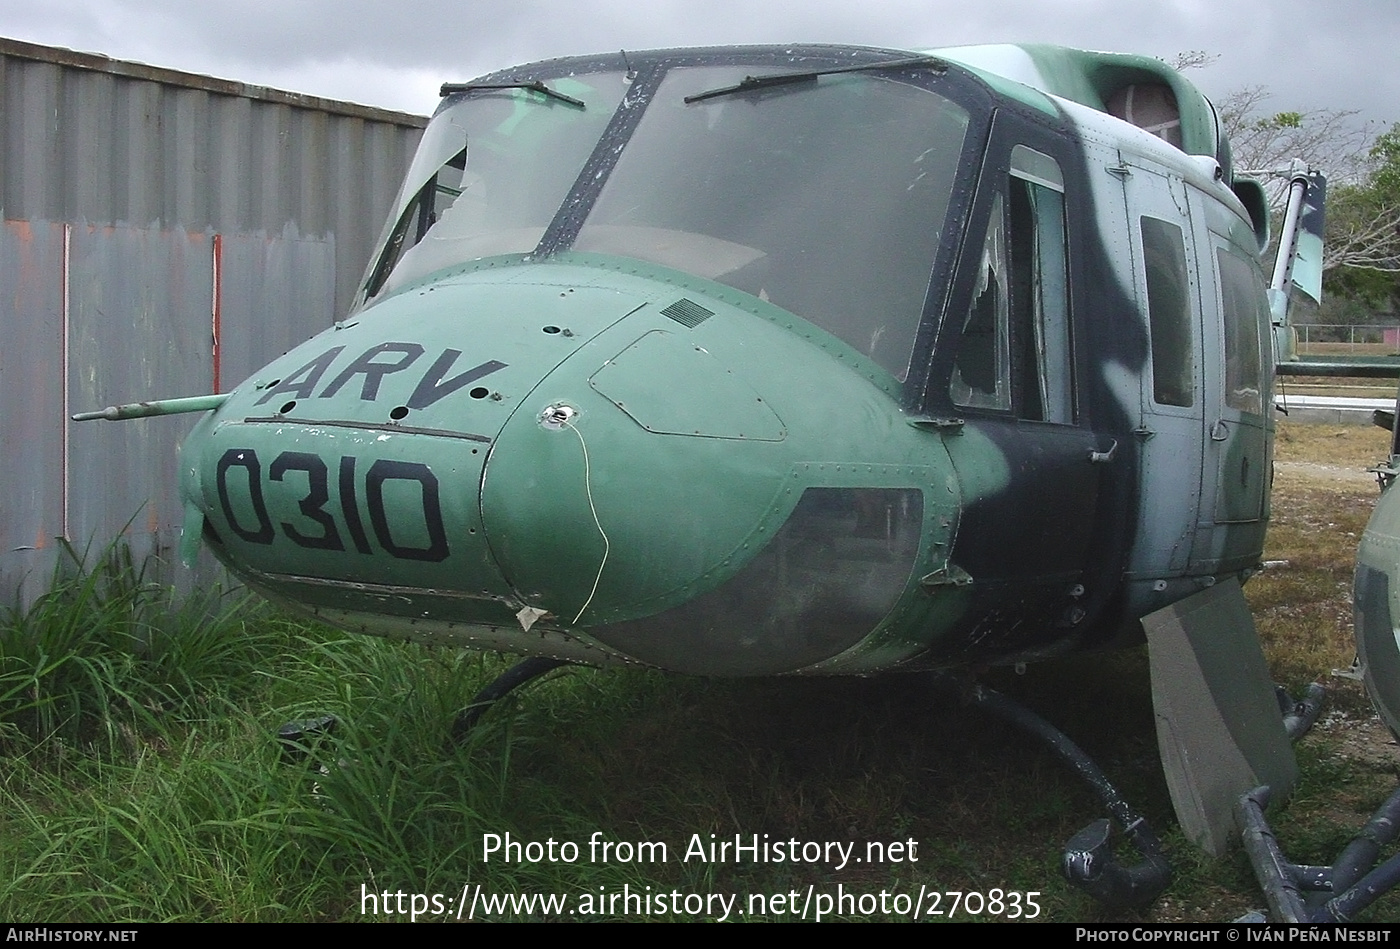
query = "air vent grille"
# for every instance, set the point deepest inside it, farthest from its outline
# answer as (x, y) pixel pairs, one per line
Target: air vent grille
(688, 313)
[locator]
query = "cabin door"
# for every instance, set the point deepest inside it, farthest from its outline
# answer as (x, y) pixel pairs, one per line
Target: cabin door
(1172, 393)
(1029, 487)
(1238, 377)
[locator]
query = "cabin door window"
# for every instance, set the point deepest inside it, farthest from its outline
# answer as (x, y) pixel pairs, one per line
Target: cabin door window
(1014, 348)
(1169, 313)
(1040, 296)
(982, 375)
(1242, 298)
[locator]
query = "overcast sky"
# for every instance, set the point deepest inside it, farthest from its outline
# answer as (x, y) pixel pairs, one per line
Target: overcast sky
(1342, 55)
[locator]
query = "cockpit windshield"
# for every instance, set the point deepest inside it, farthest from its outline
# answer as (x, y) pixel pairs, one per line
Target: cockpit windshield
(490, 173)
(826, 197)
(823, 191)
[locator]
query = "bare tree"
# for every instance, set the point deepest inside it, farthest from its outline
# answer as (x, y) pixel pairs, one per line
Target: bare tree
(1193, 59)
(1362, 169)
(1267, 143)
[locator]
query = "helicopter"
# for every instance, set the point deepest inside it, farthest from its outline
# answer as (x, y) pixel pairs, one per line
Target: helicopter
(756, 361)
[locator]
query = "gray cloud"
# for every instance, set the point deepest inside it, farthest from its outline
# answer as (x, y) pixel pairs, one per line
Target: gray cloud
(393, 54)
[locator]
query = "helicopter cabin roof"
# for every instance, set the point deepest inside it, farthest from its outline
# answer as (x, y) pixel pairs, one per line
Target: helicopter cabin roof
(1140, 90)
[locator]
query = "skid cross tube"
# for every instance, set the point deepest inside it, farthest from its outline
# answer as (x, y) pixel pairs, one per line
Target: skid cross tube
(1299, 893)
(513, 678)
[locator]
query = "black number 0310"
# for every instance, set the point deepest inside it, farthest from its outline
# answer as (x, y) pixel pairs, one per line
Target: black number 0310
(322, 532)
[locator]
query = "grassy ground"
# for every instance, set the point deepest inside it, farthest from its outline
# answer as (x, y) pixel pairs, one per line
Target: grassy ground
(141, 779)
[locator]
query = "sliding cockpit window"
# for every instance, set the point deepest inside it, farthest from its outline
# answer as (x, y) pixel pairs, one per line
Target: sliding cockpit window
(491, 171)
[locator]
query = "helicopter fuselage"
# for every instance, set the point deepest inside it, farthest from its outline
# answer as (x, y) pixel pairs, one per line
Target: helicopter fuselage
(774, 360)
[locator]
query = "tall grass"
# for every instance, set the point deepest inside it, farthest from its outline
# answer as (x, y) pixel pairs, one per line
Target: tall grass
(107, 651)
(141, 777)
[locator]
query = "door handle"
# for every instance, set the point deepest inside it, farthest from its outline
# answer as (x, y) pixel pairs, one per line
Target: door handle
(1103, 457)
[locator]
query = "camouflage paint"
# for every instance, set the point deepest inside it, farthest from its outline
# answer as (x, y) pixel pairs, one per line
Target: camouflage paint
(561, 453)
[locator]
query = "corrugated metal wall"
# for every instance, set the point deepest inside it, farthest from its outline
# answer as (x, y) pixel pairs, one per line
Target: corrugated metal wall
(164, 235)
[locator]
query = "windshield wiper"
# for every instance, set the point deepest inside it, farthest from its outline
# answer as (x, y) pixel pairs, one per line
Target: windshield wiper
(535, 85)
(782, 79)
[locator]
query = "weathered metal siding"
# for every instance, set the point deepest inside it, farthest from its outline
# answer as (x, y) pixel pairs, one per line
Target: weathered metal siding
(85, 138)
(164, 235)
(31, 400)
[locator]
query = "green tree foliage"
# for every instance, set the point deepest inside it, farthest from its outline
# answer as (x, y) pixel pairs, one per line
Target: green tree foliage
(1362, 259)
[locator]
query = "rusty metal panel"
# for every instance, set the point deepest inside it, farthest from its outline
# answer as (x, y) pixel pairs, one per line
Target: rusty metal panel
(31, 402)
(149, 169)
(139, 327)
(86, 138)
(275, 292)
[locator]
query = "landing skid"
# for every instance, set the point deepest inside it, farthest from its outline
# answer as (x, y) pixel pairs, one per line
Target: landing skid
(1298, 893)
(1307, 894)
(1222, 729)
(1089, 864)
(1088, 861)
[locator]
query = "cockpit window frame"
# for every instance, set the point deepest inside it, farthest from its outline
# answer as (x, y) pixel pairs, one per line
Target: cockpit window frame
(828, 198)
(647, 71)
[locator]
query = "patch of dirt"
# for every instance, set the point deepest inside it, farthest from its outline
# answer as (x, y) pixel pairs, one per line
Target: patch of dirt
(1359, 737)
(1331, 474)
